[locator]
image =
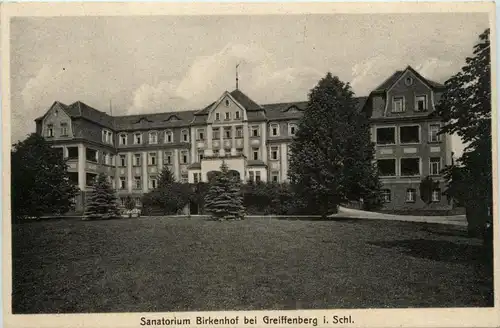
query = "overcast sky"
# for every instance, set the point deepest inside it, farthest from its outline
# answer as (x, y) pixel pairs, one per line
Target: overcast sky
(166, 63)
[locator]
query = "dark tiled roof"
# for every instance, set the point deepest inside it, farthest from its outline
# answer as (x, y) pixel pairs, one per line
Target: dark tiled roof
(154, 120)
(79, 109)
(244, 100)
(394, 77)
(194, 166)
(253, 162)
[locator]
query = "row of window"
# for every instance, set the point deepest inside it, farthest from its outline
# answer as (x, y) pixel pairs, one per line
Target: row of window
(410, 195)
(225, 132)
(63, 130)
(227, 115)
(152, 158)
(399, 104)
(409, 134)
(407, 166)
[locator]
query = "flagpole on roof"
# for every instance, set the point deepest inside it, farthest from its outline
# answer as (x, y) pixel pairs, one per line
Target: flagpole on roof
(237, 65)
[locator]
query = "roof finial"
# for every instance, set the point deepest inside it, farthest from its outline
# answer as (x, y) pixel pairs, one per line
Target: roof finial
(237, 65)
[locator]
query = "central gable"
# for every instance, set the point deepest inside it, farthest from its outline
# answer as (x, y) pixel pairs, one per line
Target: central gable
(227, 110)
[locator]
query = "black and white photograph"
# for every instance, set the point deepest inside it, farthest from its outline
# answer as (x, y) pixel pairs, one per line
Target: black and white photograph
(246, 160)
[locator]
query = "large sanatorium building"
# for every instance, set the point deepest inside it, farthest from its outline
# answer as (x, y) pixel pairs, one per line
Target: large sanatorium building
(253, 139)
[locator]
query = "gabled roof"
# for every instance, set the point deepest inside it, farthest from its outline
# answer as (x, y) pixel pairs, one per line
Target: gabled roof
(56, 103)
(80, 109)
(244, 100)
(389, 82)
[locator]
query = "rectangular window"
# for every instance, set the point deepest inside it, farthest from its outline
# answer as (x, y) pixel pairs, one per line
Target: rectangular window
(217, 116)
(434, 165)
(386, 136)
(257, 176)
(292, 129)
(123, 139)
(386, 195)
(196, 177)
(201, 134)
(411, 195)
(386, 167)
(275, 176)
(421, 103)
(227, 116)
(152, 182)
(409, 134)
(152, 159)
(255, 153)
(123, 183)
(123, 161)
(64, 129)
(433, 133)
(137, 159)
(398, 104)
(275, 131)
(436, 195)
(168, 158)
(50, 130)
(239, 132)
(227, 133)
(255, 131)
(200, 155)
(137, 138)
(274, 153)
(410, 166)
(169, 137)
(216, 134)
(184, 157)
(137, 182)
(185, 136)
(237, 115)
(153, 138)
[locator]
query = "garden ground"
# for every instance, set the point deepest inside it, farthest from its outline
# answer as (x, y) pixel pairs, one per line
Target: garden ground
(172, 264)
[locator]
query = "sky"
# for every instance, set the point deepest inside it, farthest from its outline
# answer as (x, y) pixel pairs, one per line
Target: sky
(167, 63)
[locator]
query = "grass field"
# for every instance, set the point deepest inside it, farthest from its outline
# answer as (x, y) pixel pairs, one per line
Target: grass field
(169, 264)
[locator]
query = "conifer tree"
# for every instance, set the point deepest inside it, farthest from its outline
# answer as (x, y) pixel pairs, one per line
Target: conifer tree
(332, 153)
(224, 200)
(102, 203)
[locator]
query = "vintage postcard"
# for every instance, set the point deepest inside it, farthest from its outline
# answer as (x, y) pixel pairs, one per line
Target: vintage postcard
(249, 165)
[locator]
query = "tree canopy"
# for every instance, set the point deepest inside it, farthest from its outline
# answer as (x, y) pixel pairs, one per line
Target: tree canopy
(465, 108)
(332, 153)
(101, 203)
(40, 183)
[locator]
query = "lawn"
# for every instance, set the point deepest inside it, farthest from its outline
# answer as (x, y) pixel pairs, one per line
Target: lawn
(172, 264)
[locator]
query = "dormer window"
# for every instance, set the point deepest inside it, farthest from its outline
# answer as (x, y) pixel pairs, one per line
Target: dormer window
(123, 139)
(137, 138)
(185, 135)
(50, 130)
(169, 137)
(153, 137)
(421, 103)
(398, 104)
(217, 116)
(292, 129)
(275, 130)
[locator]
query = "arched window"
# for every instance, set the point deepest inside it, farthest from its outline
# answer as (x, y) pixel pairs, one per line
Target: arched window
(169, 136)
(185, 136)
(153, 137)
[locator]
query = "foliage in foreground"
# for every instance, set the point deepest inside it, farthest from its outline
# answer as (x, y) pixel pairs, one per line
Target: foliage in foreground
(223, 200)
(465, 107)
(332, 153)
(40, 182)
(169, 196)
(102, 203)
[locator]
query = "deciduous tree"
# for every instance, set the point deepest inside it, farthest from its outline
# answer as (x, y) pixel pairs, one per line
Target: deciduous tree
(40, 182)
